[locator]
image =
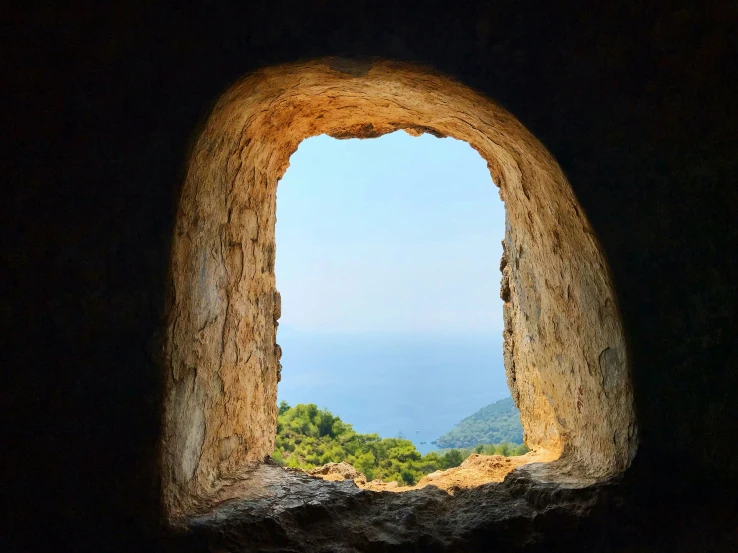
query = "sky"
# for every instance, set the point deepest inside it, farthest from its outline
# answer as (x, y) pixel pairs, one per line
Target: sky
(397, 234)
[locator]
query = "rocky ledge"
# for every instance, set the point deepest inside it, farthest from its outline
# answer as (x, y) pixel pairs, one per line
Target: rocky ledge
(283, 510)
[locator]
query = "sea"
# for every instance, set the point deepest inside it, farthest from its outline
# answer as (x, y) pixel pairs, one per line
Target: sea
(413, 385)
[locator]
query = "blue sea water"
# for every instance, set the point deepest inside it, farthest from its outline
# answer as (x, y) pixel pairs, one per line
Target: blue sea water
(417, 385)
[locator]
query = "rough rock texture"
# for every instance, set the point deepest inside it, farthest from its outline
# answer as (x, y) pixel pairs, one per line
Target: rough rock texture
(338, 472)
(289, 511)
(474, 471)
(310, 514)
(481, 469)
(565, 346)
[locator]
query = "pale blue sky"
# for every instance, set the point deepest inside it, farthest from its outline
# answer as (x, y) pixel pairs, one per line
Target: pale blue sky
(393, 234)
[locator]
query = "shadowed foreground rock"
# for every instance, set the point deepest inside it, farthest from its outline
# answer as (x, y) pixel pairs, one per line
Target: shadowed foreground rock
(294, 512)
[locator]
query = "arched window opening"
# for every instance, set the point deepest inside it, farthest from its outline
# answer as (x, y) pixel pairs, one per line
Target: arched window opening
(391, 328)
(565, 356)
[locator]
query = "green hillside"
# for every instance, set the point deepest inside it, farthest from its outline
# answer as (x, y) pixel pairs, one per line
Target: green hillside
(497, 423)
(308, 437)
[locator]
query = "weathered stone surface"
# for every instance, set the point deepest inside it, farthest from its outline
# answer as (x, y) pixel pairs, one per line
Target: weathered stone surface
(337, 472)
(481, 469)
(474, 471)
(564, 347)
(291, 511)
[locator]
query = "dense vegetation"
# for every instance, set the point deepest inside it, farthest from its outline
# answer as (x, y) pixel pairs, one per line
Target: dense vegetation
(505, 448)
(497, 423)
(308, 437)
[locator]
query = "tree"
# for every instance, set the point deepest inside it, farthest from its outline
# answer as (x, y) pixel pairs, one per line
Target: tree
(451, 459)
(365, 464)
(308, 437)
(277, 456)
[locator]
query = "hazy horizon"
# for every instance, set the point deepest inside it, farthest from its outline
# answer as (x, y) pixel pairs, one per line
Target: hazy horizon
(413, 384)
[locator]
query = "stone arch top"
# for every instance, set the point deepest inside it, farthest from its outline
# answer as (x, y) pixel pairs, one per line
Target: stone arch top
(565, 353)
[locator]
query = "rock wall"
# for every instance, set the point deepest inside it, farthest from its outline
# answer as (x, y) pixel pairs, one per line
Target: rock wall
(566, 351)
(101, 106)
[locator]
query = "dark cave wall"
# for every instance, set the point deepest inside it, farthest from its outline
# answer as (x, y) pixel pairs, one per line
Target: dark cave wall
(101, 105)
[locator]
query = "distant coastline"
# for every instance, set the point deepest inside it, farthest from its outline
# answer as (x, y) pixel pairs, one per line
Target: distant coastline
(417, 385)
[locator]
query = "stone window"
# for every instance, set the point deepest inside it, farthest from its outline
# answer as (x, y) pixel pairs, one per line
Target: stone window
(565, 354)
